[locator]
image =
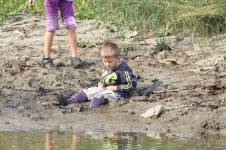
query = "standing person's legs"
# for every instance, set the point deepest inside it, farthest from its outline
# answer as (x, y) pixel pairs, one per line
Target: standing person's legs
(72, 39)
(51, 8)
(69, 21)
(48, 43)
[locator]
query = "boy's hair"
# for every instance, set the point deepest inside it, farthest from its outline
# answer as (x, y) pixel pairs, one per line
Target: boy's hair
(110, 49)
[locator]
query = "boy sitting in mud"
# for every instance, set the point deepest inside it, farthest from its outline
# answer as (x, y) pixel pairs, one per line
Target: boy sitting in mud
(117, 81)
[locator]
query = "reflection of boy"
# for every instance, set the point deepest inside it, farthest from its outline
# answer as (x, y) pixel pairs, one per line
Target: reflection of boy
(67, 14)
(117, 81)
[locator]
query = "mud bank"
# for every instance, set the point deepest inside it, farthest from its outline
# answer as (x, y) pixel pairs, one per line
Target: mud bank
(191, 77)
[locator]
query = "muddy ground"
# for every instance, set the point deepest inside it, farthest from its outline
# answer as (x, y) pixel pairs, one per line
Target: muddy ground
(192, 90)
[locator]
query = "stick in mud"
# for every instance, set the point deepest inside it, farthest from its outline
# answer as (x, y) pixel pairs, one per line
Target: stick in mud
(147, 90)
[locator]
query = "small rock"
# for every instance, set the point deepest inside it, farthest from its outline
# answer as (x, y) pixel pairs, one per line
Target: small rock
(21, 108)
(12, 104)
(7, 92)
(81, 109)
(153, 112)
(204, 124)
(40, 89)
(34, 82)
(213, 106)
(133, 113)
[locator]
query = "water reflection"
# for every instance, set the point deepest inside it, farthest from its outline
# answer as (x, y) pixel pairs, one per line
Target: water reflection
(49, 141)
(117, 141)
(108, 140)
(99, 140)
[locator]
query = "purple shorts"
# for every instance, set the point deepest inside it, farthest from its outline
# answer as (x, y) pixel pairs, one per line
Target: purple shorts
(66, 10)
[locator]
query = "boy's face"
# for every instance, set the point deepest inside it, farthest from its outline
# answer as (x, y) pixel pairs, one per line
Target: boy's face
(111, 62)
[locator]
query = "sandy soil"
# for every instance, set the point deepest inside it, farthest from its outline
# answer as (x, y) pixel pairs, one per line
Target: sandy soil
(192, 90)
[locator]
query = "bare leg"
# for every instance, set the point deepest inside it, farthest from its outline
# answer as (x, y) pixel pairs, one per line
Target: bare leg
(72, 39)
(48, 39)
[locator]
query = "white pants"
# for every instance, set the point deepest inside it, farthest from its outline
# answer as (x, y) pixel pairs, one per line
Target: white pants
(102, 94)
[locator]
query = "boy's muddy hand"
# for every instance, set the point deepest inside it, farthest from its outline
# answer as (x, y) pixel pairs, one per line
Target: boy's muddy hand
(31, 2)
(100, 85)
(112, 88)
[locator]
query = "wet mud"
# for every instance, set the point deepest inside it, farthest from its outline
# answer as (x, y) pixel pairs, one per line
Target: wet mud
(191, 90)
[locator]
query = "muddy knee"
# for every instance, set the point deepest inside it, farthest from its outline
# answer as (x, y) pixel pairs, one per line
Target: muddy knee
(69, 22)
(51, 23)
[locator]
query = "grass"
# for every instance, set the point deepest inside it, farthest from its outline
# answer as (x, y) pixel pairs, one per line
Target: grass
(165, 17)
(162, 17)
(14, 7)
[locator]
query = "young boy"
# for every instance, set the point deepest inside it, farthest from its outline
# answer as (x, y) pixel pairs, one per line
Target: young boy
(117, 81)
(67, 14)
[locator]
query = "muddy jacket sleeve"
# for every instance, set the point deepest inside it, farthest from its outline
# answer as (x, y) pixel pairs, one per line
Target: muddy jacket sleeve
(128, 81)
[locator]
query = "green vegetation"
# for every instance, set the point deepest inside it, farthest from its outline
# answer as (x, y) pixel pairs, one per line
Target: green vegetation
(14, 7)
(165, 17)
(162, 17)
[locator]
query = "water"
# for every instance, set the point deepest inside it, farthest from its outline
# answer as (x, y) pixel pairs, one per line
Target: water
(39, 140)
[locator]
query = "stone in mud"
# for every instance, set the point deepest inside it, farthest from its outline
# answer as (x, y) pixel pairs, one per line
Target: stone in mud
(153, 112)
(80, 109)
(212, 106)
(34, 82)
(12, 104)
(21, 108)
(40, 89)
(7, 92)
(204, 124)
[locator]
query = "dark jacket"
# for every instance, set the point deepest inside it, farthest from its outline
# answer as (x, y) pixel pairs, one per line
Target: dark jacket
(122, 77)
